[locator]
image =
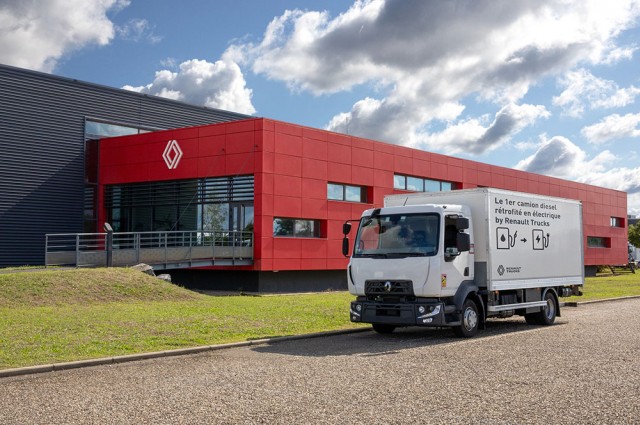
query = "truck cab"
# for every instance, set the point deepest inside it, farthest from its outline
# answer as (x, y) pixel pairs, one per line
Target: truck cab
(409, 263)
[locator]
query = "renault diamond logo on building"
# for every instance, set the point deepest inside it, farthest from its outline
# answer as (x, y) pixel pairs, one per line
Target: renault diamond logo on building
(172, 154)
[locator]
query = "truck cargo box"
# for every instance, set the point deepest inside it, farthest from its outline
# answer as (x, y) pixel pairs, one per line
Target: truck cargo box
(520, 240)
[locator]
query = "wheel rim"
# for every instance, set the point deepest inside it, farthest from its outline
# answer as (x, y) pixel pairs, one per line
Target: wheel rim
(470, 319)
(550, 309)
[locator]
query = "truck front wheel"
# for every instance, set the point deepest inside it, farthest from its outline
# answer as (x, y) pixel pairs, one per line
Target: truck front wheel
(469, 321)
(383, 329)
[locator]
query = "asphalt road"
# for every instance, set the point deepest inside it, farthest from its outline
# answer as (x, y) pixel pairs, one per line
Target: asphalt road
(583, 370)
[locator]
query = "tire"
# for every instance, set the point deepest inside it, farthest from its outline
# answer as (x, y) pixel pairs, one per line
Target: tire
(469, 320)
(547, 316)
(383, 329)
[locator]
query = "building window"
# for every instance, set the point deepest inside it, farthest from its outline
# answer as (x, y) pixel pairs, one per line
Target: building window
(417, 184)
(400, 182)
(209, 204)
(617, 222)
(598, 242)
(344, 192)
(95, 129)
(296, 227)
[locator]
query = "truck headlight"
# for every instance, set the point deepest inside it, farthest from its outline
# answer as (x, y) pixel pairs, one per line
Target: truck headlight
(433, 311)
(356, 310)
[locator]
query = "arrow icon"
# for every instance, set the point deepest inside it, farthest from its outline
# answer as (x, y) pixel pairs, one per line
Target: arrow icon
(523, 240)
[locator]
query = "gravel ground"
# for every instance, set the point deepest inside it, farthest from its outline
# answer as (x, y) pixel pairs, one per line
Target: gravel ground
(583, 370)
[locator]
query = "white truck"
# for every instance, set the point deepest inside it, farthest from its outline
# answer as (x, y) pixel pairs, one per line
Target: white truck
(454, 259)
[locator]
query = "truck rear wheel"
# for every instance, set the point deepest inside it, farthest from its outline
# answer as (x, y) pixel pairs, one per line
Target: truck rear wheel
(469, 321)
(383, 329)
(547, 315)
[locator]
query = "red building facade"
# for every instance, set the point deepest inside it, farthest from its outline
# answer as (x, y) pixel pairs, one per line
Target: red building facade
(299, 173)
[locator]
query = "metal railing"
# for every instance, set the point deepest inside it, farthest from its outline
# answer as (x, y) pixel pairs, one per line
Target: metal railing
(162, 250)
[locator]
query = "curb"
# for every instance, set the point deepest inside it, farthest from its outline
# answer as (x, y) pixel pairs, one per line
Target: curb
(30, 370)
(605, 300)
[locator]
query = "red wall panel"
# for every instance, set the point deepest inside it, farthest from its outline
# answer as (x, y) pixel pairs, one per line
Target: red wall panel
(314, 169)
(339, 153)
(314, 149)
(314, 208)
(362, 157)
(288, 165)
(287, 206)
(240, 142)
(362, 176)
(288, 144)
(383, 161)
(314, 189)
(338, 173)
(211, 145)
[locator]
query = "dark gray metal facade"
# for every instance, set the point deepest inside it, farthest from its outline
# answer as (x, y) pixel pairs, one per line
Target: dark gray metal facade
(42, 150)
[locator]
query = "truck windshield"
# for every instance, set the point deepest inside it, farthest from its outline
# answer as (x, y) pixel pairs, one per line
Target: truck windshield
(398, 235)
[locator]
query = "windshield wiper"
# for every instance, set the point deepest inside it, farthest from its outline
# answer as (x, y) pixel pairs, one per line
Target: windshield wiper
(407, 254)
(372, 255)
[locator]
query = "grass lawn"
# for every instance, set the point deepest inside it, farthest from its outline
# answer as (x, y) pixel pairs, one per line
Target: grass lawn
(607, 285)
(63, 315)
(57, 316)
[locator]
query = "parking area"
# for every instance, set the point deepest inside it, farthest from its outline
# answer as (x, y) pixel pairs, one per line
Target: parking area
(585, 369)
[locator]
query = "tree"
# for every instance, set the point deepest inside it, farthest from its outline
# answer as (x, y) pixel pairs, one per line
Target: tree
(634, 235)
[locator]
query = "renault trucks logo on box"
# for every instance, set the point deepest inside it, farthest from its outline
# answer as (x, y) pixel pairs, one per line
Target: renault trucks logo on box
(509, 269)
(172, 154)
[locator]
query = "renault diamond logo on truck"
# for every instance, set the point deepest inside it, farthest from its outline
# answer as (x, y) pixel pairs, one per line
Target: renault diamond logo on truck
(172, 154)
(387, 286)
(501, 270)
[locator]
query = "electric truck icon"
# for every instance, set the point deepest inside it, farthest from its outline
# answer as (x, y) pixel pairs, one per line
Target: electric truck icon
(540, 240)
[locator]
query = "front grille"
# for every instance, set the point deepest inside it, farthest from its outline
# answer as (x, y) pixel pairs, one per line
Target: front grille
(389, 287)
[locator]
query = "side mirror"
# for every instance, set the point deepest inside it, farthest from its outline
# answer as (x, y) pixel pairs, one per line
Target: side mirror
(346, 228)
(463, 241)
(462, 223)
(450, 253)
(345, 246)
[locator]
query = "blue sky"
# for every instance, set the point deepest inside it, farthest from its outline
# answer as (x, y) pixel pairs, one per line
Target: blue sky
(551, 86)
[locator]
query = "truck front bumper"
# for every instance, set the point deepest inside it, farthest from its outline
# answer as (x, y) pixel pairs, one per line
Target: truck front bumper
(403, 314)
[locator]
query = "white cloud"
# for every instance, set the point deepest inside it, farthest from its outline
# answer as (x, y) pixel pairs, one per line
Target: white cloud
(618, 54)
(613, 127)
(370, 118)
(559, 157)
(471, 136)
(581, 86)
(217, 85)
(137, 30)
(171, 63)
(36, 34)
(429, 56)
